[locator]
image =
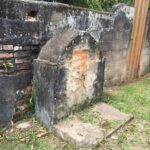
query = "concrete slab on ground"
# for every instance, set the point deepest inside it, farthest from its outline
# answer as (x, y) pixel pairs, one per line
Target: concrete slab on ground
(79, 134)
(87, 135)
(108, 112)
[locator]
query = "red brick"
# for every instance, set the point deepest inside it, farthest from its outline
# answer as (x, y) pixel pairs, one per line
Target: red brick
(26, 48)
(25, 66)
(1, 47)
(8, 47)
(2, 70)
(3, 61)
(23, 60)
(16, 48)
(22, 53)
(6, 55)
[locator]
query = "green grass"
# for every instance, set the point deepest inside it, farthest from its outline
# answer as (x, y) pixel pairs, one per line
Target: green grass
(29, 139)
(132, 98)
(87, 117)
(121, 141)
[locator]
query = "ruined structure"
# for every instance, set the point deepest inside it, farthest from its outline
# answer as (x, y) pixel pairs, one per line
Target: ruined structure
(25, 27)
(67, 76)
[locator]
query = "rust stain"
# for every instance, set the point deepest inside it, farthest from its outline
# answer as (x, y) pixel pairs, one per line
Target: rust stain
(77, 66)
(79, 61)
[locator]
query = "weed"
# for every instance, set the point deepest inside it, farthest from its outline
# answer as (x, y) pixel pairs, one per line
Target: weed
(122, 138)
(132, 128)
(28, 139)
(121, 141)
(31, 102)
(85, 116)
(7, 66)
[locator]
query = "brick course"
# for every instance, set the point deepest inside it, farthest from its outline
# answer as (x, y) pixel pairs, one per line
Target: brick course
(20, 56)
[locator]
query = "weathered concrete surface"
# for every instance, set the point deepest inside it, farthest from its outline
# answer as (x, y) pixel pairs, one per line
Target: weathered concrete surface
(145, 56)
(67, 75)
(79, 134)
(11, 89)
(38, 21)
(108, 112)
(86, 135)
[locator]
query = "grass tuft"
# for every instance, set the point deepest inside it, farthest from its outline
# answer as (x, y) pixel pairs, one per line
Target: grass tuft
(132, 98)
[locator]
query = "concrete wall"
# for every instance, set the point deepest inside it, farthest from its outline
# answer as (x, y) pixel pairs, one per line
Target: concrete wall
(26, 25)
(145, 57)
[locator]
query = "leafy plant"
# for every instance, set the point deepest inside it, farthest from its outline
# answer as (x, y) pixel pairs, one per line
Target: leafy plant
(31, 102)
(7, 66)
(105, 5)
(121, 140)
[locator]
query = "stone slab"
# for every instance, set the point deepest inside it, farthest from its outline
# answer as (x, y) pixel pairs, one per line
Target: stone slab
(108, 112)
(79, 134)
(86, 135)
(23, 125)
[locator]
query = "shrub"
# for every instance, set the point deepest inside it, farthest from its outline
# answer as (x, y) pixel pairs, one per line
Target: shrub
(105, 5)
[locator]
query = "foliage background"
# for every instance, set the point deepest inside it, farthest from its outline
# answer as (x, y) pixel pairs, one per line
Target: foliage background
(104, 5)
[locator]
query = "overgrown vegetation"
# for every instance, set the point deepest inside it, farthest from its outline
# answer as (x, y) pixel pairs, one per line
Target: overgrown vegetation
(104, 5)
(8, 66)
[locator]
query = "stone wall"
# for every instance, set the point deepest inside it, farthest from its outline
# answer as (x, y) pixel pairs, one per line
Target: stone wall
(26, 25)
(145, 57)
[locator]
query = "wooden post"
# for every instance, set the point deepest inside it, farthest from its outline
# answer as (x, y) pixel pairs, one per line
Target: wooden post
(137, 38)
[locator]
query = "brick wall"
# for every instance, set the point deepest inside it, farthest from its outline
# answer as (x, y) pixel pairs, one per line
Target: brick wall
(20, 57)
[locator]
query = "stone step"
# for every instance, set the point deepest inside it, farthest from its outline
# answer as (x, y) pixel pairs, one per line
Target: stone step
(84, 134)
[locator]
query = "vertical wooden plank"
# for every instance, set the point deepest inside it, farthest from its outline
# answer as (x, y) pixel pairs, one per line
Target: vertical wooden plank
(137, 36)
(141, 36)
(133, 41)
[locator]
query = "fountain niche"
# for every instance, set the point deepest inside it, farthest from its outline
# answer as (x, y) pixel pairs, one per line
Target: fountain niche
(68, 75)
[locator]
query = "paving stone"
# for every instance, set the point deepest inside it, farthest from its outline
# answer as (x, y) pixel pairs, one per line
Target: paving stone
(108, 112)
(84, 135)
(23, 125)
